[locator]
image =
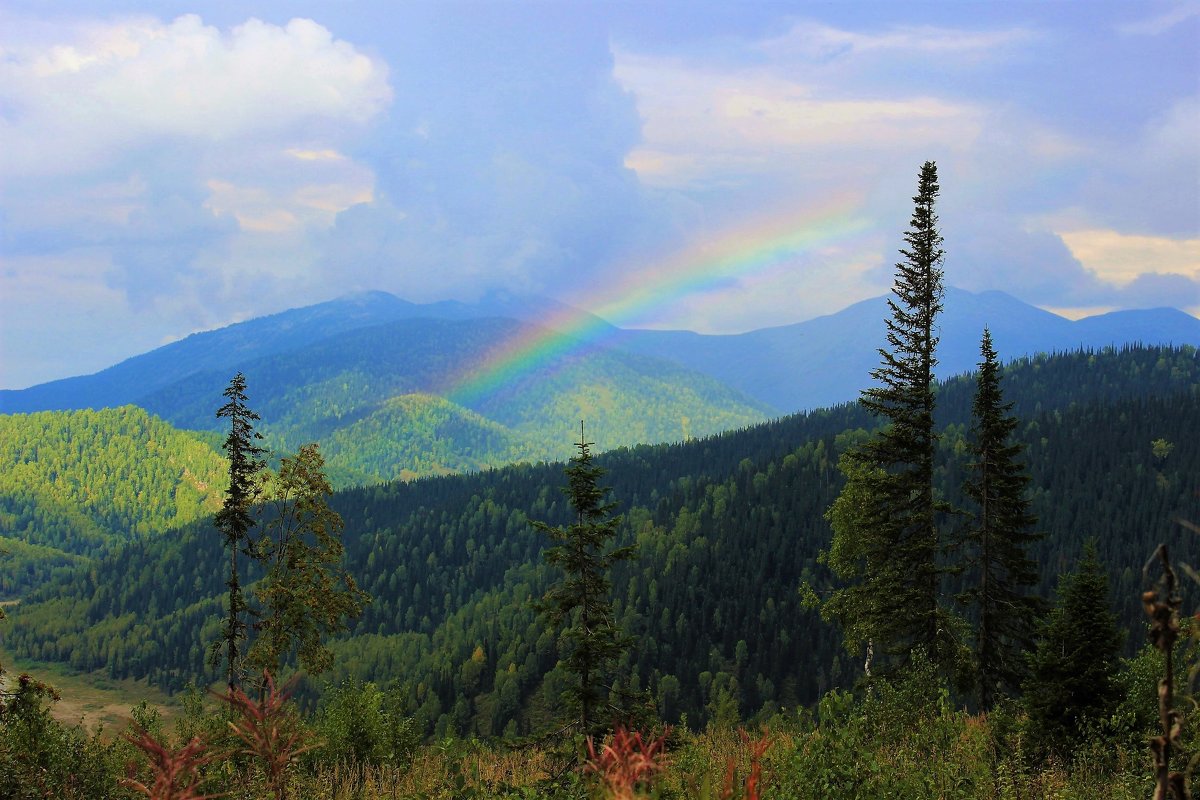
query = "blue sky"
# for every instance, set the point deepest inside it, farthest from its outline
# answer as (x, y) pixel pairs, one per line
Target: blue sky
(167, 168)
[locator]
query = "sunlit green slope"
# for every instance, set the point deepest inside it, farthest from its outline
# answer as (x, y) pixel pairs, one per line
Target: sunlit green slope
(73, 483)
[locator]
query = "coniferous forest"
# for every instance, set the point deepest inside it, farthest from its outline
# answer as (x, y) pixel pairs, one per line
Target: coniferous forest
(943, 590)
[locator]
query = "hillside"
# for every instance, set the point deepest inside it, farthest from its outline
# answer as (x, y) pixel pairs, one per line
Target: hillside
(424, 435)
(74, 483)
(321, 372)
(728, 527)
(341, 388)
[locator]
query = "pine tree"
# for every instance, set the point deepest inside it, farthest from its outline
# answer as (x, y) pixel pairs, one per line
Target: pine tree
(305, 594)
(997, 539)
(234, 520)
(581, 600)
(1073, 672)
(886, 539)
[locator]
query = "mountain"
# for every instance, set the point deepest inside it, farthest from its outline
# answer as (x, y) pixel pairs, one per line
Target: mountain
(338, 375)
(828, 359)
(336, 372)
(75, 483)
(223, 349)
(728, 528)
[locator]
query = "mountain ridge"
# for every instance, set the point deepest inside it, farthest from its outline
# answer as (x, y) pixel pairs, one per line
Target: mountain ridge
(788, 368)
(756, 362)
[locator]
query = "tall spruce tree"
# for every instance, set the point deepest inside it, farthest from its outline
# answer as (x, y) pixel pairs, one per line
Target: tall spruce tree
(1073, 672)
(885, 523)
(234, 520)
(580, 601)
(1001, 571)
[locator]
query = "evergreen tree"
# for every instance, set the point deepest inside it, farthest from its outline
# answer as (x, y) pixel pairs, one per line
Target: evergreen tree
(1073, 672)
(234, 520)
(306, 594)
(581, 599)
(997, 540)
(886, 540)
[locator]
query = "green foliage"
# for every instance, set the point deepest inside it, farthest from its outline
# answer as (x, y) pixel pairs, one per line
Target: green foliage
(41, 758)
(886, 538)
(234, 520)
(359, 725)
(74, 484)
(414, 435)
(579, 603)
(1072, 688)
(903, 740)
(306, 594)
(1000, 572)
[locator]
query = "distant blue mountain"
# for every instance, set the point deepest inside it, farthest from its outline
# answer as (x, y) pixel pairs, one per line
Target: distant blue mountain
(819, 362)
(828, 360)
(222, 350)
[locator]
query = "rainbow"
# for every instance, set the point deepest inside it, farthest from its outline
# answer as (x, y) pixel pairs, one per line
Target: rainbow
(751, 251)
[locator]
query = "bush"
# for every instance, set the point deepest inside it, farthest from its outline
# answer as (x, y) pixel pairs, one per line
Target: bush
(40, 757)
(359, 725)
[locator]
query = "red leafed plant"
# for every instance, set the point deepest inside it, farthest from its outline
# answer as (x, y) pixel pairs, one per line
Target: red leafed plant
(626, 762)
(754, 779)
(268, 731)
(176, 772)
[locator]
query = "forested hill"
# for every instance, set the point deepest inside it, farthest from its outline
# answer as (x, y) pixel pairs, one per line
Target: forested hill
(728, 526)
(73, 483)
(381, 399)
(307, 393)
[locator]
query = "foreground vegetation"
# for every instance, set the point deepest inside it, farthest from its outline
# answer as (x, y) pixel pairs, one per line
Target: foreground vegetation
(905, 741)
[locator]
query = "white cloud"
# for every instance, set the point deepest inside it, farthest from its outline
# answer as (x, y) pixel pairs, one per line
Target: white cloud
(74, 105)
(1121, 258)
(700, 124)
(198, 165)
(286, 190)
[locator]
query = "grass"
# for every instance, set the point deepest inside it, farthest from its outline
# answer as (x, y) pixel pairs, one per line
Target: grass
(92, 700)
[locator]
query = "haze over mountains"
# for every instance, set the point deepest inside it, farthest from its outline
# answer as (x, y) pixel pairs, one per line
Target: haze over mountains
(828, 360)
(784, 369)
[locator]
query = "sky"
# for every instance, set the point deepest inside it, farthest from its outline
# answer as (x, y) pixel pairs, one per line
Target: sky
(169, 167)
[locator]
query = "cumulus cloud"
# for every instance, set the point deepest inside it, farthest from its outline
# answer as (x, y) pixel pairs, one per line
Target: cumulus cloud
(75, 104)
(168, 151)
(1120, 258)
(1083, 269)
(706, 127)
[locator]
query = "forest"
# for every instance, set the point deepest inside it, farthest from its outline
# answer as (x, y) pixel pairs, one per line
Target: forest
(77, 483)
(728, 529)
(938, 591)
